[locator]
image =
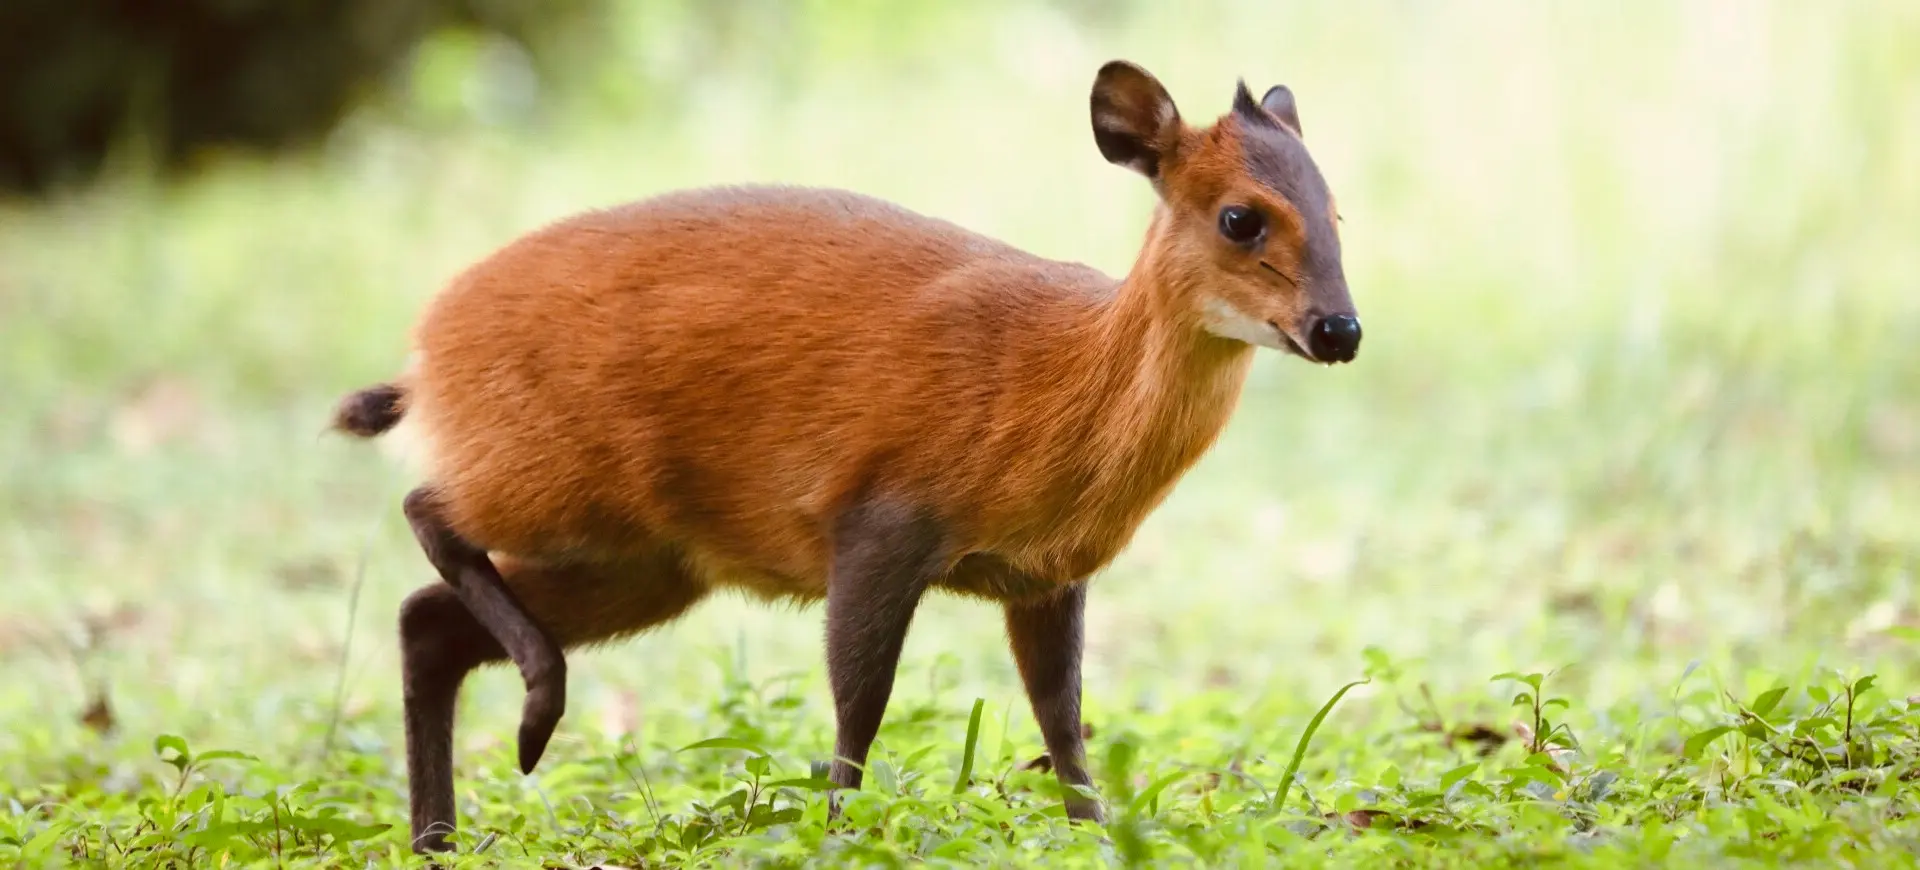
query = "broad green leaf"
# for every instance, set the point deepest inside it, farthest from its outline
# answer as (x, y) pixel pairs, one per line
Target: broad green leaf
(1526, 773)
(223, 754)
(954, 849)
(1698, 742)
(765, 816)
(43, 842)
(725, 743)
(1768, 700)
(172, 749)
(915, 756)
(1148, 798)
(212, 837)
(345, 830)
(1455, 775)
(811, 783)
(1544, 762)
(886, 780)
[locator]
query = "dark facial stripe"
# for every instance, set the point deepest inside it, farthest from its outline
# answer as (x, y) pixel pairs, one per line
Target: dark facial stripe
(1279, 161)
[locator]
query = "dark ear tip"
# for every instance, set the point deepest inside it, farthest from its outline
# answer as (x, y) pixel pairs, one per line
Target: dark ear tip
(1119, 70)
(1243, 99)
(1279, 102)
(1135, 123)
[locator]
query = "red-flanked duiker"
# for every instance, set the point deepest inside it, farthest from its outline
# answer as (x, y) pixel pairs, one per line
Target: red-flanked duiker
(813, 394)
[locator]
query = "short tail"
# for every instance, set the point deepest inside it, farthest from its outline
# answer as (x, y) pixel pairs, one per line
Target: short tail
(372, 411)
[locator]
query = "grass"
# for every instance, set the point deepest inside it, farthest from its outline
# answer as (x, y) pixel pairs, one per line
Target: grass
(1637, 428)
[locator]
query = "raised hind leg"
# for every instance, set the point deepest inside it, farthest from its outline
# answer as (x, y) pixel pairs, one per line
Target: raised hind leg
(478, 585)
(441, 642)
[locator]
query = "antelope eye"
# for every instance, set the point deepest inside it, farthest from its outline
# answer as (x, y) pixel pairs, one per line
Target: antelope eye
(1241, 225)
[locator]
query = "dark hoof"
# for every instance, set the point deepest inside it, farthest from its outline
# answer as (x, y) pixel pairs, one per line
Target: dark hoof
(540, 715)
(1082, 809)
(845, 778)
(434, 842)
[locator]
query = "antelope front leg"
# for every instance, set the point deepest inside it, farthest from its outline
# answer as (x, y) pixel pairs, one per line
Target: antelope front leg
(1046, 636)
(884, 556)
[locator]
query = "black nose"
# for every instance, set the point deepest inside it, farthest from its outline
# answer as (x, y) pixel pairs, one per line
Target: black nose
(1335, 339)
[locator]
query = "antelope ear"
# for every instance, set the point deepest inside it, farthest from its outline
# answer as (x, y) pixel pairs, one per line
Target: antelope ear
(1279, 103)
(1134, 120)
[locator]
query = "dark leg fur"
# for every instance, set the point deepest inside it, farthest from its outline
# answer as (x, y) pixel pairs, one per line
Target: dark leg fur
(884, 557)
(441, 641)
(480, 587)
(1046, 638)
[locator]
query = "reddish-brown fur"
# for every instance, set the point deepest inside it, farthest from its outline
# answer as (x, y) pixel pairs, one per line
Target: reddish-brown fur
(594, 391)
(634, 406)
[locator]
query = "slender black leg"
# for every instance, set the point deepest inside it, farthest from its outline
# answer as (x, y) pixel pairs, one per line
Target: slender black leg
(884, 557)
(440, 643)
(1046, 637)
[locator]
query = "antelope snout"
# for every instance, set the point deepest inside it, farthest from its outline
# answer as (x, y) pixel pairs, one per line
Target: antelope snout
(1335, 338)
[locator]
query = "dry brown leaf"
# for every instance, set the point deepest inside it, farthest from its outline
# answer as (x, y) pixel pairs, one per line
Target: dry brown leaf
(1557, 755)
(1485, 738)
(1359, 818)
(1363, 819)
(99, 714)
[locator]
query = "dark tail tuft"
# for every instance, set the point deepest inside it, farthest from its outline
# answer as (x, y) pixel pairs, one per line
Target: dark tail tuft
(371, 411)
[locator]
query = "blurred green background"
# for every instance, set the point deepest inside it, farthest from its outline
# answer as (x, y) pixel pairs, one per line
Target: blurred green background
(1641, 385)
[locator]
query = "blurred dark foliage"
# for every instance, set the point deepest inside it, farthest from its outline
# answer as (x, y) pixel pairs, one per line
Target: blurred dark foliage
(79, 78)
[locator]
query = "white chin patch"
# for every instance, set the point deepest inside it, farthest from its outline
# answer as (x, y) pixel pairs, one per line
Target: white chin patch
(1226, 321)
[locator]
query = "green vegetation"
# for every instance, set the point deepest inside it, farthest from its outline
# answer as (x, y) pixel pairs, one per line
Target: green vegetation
(1636, 426)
